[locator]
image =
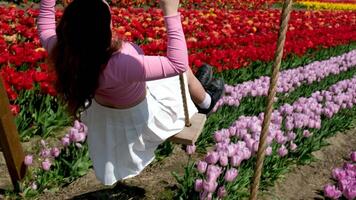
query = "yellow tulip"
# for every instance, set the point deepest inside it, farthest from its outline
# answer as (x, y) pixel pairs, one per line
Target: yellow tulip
(327, 6)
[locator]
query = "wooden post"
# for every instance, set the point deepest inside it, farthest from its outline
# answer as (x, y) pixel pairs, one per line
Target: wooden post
(10, 141)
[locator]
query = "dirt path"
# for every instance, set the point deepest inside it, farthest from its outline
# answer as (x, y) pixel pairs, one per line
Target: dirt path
(307, 182)
(153, 181)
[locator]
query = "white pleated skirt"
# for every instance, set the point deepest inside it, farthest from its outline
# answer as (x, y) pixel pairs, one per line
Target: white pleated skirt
(122, 141)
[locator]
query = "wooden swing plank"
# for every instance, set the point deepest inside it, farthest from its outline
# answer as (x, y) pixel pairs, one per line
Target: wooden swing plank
(189, 135)
(10, 140)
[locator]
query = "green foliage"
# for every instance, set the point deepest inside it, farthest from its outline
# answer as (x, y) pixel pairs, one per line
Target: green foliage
(40, 114)
(186, 182)
(72, 163)
(164, 150)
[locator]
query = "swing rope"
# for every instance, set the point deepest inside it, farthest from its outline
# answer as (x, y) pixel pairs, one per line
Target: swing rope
(287, 7)
(184, 97)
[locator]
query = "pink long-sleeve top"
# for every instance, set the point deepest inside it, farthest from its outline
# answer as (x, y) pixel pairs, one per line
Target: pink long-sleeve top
(122, 82)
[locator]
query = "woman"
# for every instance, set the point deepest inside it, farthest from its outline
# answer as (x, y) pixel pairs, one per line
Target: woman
(130, 102)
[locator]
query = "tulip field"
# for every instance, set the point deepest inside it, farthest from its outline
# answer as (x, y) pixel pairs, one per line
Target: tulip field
(316, 93)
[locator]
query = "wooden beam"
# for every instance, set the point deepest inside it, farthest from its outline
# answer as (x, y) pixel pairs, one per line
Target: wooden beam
(189, 135)
(10, 140)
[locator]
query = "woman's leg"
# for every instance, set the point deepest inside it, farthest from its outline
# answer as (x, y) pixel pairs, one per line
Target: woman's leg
(196, 90)
(205, 100)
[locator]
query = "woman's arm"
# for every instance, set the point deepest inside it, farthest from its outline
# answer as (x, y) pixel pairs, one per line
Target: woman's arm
(46, 23)
(138, 67)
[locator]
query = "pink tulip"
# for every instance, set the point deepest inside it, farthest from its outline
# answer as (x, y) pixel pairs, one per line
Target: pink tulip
(338, 174)
(212, 157)
(202, 165)
(298, 124)
(223, 159)
(240, 145)
(28, 160)
(235, 161)
(331, 192)
(293, 146)
(269, 140)
(282, 151)
(76, 125)
(243, 132)
(203, 195)
(353, 156)
(198, 186)
(46, 164)
(73, 134)
(281, 139)
(218, 136)
(230, 175)
(344, 183)
(222, 192)
(289, 109)
(55, 152)
(350, 166)
(210, 186)
(317, 125)
(269, 151)
(190, 149)
(232, 131)
(289, 126)
(45, 153)
(77, 136)
(246, 154)
(213, 172)
(231, 150)
(306, 133)
(291, 136)
(249, 143)
(65, 141)
(210, 196)
(350, 192)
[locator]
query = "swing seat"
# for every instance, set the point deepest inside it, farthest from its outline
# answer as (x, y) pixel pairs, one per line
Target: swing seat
(189, 135)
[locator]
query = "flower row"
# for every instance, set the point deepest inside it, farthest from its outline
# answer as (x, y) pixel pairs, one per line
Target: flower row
(230, 40)
(16, 81)
(226, 40)
(328, 6)
(199, 4)
(289, 80)
(346, 181)
(331, 1)
(289, 123)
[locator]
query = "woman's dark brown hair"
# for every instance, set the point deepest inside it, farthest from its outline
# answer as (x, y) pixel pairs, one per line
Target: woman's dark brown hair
(84, 46)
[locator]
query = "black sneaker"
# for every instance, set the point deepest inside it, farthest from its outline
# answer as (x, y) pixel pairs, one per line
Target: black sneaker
(215, 89)
(205, 75)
